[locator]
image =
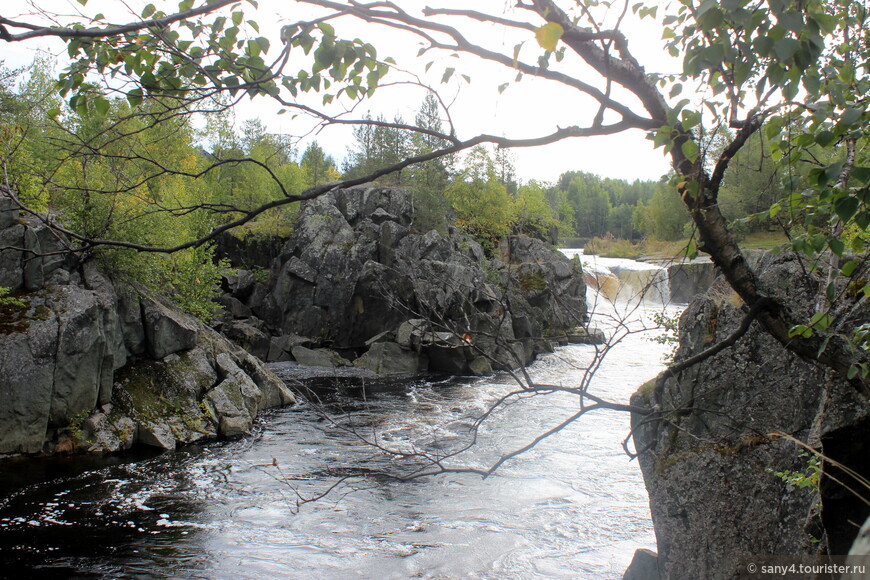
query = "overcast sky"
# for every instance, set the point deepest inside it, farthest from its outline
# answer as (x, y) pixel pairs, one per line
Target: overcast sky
(528, 108)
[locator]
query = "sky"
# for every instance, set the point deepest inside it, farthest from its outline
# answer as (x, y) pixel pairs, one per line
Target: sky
(528, 108)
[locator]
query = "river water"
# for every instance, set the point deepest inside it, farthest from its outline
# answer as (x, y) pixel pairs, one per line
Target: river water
(572, 507)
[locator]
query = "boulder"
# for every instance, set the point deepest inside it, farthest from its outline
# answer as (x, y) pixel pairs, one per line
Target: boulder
(28, 353)
(249, 337)
(708, 456)
(8, 209)
(354, 269)
(231, 401)
(34, 277)
(688, 279)
(280, 347)
(480, 366)
(11, 267)
(110, 433)
(234, 307)
(274, 392)
(239, 284)
(156, 435)
(130, 319)
(167, 330)
(390, 358)
(644, 566)
(581, 335)
(88, 365)
(83, 363)
(410, 333)
(318, 357)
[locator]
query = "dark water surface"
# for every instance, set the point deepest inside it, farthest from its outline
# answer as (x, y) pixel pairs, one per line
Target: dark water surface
(574, 507)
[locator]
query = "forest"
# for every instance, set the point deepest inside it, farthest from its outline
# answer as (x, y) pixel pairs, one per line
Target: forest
(149, 172)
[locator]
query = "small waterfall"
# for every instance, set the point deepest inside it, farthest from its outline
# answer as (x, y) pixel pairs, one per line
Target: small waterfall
(623, 280)
(649, 283)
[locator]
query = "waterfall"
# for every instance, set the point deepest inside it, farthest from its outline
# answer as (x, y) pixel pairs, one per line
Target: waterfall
(624, 280)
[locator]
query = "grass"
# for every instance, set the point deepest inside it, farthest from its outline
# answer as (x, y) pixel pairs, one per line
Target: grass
(649, 249)
(611, 247)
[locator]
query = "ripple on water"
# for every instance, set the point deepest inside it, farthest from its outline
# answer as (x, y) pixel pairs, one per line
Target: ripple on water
(574, 507)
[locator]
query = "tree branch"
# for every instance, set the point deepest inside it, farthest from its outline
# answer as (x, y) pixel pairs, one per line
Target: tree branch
(36, 31)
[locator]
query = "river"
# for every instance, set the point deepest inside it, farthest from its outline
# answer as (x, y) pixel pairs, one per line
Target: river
(573, 507)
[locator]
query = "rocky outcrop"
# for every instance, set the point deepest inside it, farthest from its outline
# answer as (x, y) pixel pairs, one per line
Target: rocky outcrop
(722, 430)
(690, 278)
(356, 268)
(88, 364)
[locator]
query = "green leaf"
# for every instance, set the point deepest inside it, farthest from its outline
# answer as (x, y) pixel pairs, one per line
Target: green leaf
(102, 106)
(548, 35)
(774, 210)
(821, 320)
(690, 150)
(850, 116)
(846, 207)
(148, 10)
(825, 138)
(849, 268)
(135, 97)
(837, 246)
(786, 47)
(773, 127)
(326, 28)
(447, 74)
(801, 330)
(690, 118)
(692, 250)
(263, 43)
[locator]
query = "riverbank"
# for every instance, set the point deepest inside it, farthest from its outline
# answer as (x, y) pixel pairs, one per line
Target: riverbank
(670, 251)
(573, 507)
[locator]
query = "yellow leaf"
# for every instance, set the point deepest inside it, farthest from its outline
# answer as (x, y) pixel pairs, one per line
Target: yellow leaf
(548, 35)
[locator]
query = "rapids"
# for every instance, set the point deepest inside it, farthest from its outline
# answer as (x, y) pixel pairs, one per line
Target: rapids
(572, 507)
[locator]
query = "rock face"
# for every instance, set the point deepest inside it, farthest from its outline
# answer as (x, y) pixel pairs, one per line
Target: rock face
(252, 251)
(688, 279)
(86, 365)
(355, 268)
(709, 460)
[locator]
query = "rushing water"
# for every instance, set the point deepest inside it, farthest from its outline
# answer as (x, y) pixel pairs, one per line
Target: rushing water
(573, 507)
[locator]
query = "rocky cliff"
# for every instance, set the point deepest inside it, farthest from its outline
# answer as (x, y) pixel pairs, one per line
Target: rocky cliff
(88, 364)
(356, 273)
(713, 456)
